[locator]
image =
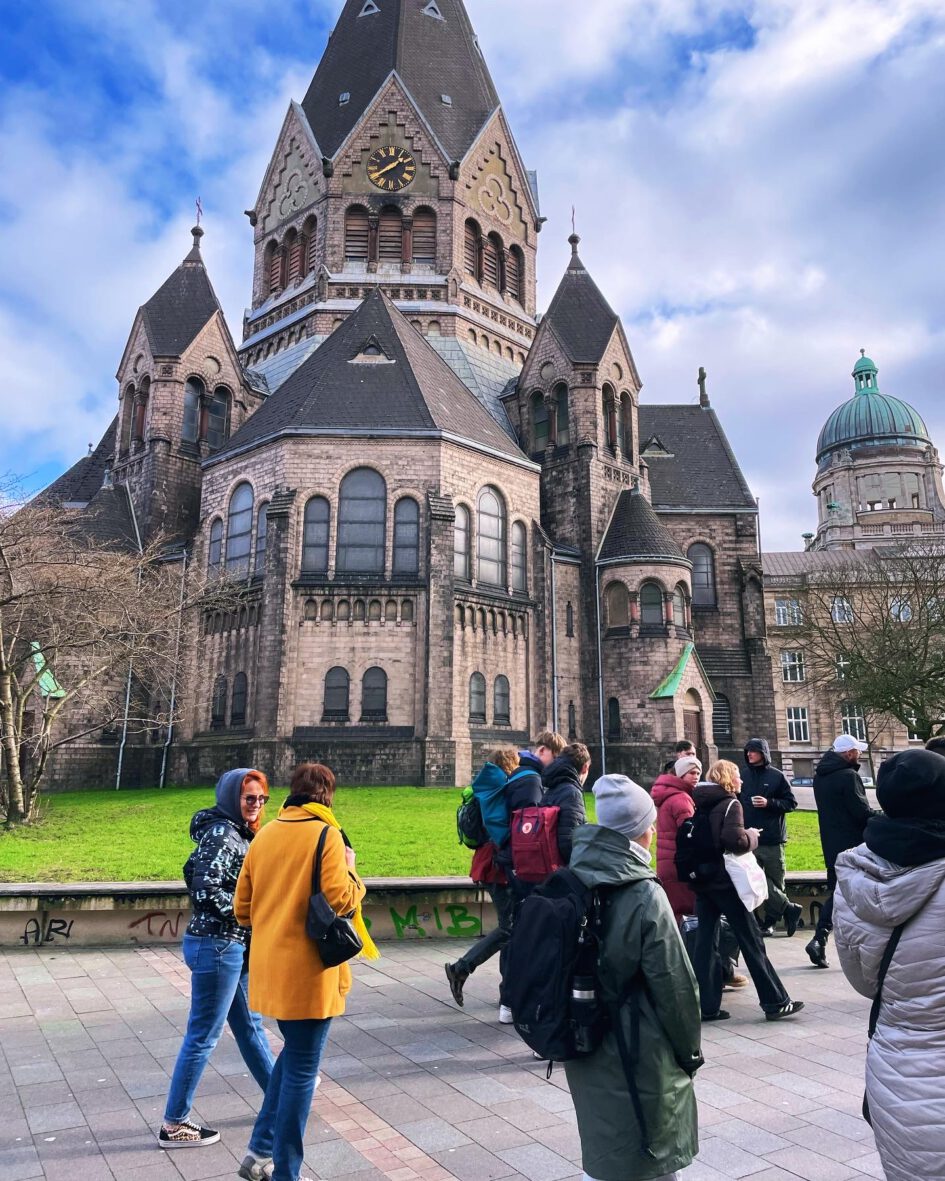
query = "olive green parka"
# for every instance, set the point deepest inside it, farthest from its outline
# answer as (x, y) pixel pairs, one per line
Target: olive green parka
(642, 948)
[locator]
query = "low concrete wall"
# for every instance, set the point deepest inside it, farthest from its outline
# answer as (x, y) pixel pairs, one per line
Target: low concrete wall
(122, 914)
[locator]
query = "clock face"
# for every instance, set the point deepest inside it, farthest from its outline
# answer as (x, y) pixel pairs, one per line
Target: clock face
(391, 169)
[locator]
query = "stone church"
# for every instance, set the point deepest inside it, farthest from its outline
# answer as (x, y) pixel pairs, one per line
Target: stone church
(452, 518)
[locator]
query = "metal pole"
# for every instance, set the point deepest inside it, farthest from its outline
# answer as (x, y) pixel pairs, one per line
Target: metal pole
(600, 669)
(173, 704)
(554, 647)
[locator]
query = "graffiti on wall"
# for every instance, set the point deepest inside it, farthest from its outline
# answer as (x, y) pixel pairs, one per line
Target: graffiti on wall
(45, 930)
(158, 924)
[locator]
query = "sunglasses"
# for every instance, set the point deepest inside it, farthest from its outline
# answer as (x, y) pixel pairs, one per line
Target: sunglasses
(254, 800)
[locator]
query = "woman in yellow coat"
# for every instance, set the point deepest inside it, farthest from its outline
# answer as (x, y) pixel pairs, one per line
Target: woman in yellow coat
(287, 980)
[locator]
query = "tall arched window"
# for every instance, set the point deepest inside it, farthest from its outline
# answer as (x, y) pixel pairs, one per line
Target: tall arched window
(515, 273)
(617, 602)
(309, 245)
(519, 557)
(472, 250)
(609, 403)
(357, 234)
(613, 720)
(337, 686)
(493, 256)
(477, 698)
(491, 531)
(502, 702)
(626, 426)
(569, 620)
(215, 548)
(390, 235)
(560, 401)
(541, 427)
(703, 575)
(461, 539)
(315, 535)
(362, 519)
(239, 531)
(218, 418)
(406, 536)
(679, 606)
(572, 721)
(238, 706)
(292, 246)
(128, 418)
(424, 237)
(722, 719)
(274, 270)
(374, 696)
(262, 531)
(218, 704)
(651, 605)
(193, 392)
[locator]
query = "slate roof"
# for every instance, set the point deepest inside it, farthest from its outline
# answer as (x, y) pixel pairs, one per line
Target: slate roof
(433, 57)
(411, 389)
(635, 531)
(701, 471)
(181, 307)
(582, 319)
(108, 519)
(81, 482)
(801, 562)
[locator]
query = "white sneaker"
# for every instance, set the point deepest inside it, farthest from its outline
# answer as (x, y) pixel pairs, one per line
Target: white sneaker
(505, 1015)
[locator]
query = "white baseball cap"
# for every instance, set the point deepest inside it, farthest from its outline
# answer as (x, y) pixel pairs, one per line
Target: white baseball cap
(844, 742)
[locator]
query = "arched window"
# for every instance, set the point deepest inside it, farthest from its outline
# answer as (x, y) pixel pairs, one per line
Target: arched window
(406, 536)
(337, 685)
(309, 245)
(626, 426)
(374, 696)
(193, 392)
(238, 706)
(273, 260)
(560, 400)
(362, 519)
(853, 720)
(315, 535)
(651, 605)
(215, 548)
(491, 531)
(502, 702)
(218, 704)
(262, 529)
(374, 611)
(617, 602)
(569, 620)
(572, 722)
(519, 557)
(390, 235)
(359, 609)
(722, 719)
(357, 234)
(461, 544)
(472, 250)
(703, 575)
(541, 428)
(477, 698)
(292, 246)
(515, 273)
(609, 402)
(327, 611)
(424, 237)
(218, 418)
(406, 611)
(239, 531)
(128, 417)
(613, 720)
(679, 607)
(390, 611)
(493, 257)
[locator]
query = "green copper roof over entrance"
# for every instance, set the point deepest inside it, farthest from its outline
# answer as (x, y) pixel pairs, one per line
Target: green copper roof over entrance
(670, 684)
(871, 417)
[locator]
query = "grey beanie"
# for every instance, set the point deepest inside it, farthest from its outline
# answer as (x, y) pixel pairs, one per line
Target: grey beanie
(623, 806)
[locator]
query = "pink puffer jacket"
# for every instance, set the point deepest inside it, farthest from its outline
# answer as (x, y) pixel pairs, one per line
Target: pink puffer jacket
(673, 800)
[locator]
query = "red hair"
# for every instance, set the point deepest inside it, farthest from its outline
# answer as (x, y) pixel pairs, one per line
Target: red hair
(255, 777)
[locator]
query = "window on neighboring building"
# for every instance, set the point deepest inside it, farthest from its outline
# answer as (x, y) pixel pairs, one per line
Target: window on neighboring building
(502, 702)
(315, 535)
(569, 618)
(337, 690)
(613, 720)
(218, 418)
(651, 605)
(788, 613)
(239, 531)
(792, 667)
(679, 607)
(841, 610)
(357, 234)
(560, 403)
(703, 575)
(218, 704)
(541, 426)
(362, 519)
(722, 718)
(519, 558)
(424, 237)
(374, 695)
(852, 720)
(491, 536)
(477, 698)
(461, 544)
(617, 603)
(797, 724)
(901, 610)
(215, 548)
(406, 536)
(238, 706)
(262, 530)
(842, 665)
(193, 392)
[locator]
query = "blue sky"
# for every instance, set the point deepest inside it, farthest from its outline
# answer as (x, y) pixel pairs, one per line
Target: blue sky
(758, 187)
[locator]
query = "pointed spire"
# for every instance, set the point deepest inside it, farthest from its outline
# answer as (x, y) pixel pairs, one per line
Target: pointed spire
(195, 256)
(575, 264)
(582, 319)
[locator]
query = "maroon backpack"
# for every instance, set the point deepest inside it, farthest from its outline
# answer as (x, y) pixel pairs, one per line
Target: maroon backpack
(535, 855)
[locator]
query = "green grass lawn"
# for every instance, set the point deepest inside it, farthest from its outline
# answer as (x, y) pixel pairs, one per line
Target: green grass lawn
(144, 835)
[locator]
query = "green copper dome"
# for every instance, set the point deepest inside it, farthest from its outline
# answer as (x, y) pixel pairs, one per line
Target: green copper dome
(871, 418)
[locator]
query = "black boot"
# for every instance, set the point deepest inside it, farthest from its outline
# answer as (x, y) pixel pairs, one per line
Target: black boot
(817, 951)
(457, 976)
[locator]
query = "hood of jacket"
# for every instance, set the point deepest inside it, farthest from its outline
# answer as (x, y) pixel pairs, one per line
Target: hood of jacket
(882, 893)
(562, 770)
(490, 779)
(229, 789)
(530, 762)
(604, 857)
(667, 786)
(832, 762)
(760, 745)
(707, 795)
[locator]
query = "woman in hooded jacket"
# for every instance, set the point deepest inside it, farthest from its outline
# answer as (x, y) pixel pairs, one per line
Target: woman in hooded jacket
(215, 947)
(672, 795)
(893, 886)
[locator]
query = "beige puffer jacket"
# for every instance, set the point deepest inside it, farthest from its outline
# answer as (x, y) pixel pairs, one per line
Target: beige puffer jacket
(905, 1065)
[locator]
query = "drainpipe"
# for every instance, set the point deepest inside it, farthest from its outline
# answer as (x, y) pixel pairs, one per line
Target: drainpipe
(600, 668)
(124, 723)
(554, 647)
(173, 705)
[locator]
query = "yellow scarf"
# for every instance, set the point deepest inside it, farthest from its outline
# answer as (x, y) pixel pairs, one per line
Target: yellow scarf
(369, 951)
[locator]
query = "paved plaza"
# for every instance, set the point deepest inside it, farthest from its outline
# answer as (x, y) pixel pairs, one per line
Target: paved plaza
(412, 1086)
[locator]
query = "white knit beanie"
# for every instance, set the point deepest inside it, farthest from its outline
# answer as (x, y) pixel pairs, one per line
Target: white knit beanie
(623, 805)
(686, 763)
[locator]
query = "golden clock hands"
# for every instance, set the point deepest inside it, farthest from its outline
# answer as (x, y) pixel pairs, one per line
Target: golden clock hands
(393, 164)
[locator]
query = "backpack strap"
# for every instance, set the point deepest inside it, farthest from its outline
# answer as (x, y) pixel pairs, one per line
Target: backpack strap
(317, 867)
(881, 979)
(630, 1056)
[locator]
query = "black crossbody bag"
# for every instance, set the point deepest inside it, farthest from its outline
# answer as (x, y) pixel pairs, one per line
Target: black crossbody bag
(333, 934)
(878, 999)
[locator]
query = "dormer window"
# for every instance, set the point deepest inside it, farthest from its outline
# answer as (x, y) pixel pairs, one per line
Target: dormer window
(446, 100)
(344, 98)
(432, 10)
(369, 9)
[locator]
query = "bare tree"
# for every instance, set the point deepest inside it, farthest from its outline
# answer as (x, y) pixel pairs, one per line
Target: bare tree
(77, 618)
(874, 634)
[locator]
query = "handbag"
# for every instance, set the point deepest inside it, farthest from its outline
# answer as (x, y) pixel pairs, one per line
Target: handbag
(878, 999)
(333, 934)
(748, 878)
(485, 868)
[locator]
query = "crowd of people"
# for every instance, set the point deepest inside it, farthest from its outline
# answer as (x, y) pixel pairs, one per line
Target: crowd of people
(669, 938)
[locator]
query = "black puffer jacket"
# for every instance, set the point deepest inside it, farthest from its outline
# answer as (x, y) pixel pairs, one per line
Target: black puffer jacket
(842, 806)
(729, 831)
(564, 790)
(765, 780)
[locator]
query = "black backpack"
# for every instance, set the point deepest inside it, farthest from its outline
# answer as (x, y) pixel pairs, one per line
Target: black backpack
(698, 859)
(469, 825)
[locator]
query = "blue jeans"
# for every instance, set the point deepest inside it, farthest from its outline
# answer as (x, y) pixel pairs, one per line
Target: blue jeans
(280, 1129)
(218, 994)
